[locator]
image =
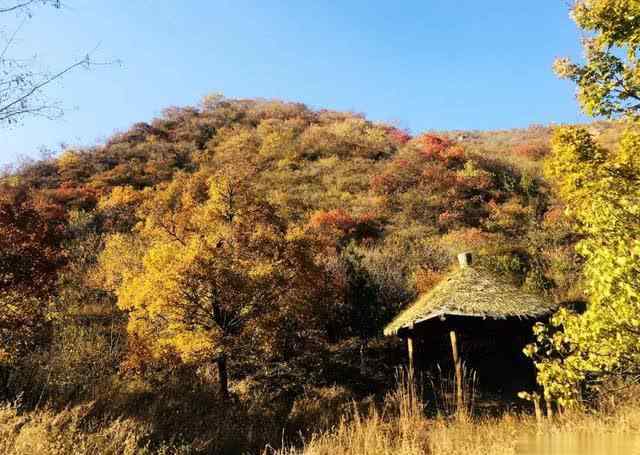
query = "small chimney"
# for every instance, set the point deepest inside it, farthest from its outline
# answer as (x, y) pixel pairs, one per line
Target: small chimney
(465, 259)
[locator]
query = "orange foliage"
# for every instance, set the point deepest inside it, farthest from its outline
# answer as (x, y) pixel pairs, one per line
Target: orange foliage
(439, 176)
(435, 148)
(531, 151)
(74, 197)
(399, 136)
(338, 226)
(426, 279)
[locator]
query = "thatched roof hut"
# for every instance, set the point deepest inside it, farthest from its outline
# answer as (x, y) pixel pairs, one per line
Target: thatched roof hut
(476, 306)
(471, 292)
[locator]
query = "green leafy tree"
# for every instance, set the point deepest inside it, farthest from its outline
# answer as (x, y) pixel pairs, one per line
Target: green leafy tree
(361, 309)
(602, 193)
(580, 351)
(609, 80)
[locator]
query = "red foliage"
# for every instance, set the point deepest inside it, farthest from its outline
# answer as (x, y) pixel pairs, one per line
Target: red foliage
(453, 191)
(386, 183)
(31, 235)
(434, 145)
(399, 136)
(337, 218)
(338, 226)
(436, 148)
(73, 197)
(436, 175)
(531, 151)
(434, 166)
(450, 218)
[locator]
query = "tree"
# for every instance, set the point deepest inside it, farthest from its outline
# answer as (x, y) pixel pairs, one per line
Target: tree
(602, 193)
(608, 82)
(31, 256)
(211, 274)
(362, 311)
(601, 189)
(22, 84)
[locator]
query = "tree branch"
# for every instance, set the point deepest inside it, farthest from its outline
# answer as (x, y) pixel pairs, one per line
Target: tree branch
(26, 4)
(85, 61)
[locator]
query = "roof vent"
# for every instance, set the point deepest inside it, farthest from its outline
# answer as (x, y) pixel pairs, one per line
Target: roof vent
(465, 259)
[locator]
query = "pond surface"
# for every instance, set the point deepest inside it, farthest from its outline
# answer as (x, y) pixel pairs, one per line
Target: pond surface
(580, 444)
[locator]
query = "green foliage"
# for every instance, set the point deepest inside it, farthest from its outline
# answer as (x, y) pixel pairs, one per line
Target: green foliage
(600, 188)
(608, 82)
(603, 196)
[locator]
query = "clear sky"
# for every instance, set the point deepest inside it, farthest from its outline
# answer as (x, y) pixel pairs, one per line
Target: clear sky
(421, 64)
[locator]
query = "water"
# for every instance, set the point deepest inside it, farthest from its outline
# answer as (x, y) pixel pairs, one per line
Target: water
(580, 444)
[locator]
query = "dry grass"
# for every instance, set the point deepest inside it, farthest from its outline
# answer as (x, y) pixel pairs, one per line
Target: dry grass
(378, 434)
(49, 433)
(401, 428)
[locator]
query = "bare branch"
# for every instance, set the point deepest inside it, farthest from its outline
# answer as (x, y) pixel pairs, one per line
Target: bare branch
(85, 61)
(11, 39)
(26, 4)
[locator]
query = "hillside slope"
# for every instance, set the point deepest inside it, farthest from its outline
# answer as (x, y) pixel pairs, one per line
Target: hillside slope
(278, 238)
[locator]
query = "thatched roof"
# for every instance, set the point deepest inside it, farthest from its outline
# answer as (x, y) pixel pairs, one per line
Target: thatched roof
(472, 292)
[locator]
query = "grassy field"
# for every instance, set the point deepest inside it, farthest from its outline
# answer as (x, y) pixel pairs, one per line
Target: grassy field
(397, 426)
(401, 428)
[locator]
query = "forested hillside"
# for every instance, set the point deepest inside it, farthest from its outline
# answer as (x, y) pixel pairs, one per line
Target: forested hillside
(250, 251)
(217, 279)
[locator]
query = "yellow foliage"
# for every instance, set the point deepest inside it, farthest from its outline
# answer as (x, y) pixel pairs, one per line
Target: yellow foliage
(120, 196)
(190, 275)
(68, 159)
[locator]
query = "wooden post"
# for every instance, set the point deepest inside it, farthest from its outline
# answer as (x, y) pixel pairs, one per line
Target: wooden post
(457, 363)
(410, 352)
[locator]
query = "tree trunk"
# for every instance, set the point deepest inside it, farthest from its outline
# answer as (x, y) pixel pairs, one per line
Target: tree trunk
(223, 377)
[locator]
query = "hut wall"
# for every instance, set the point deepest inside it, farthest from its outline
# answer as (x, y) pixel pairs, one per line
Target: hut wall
(492, 348)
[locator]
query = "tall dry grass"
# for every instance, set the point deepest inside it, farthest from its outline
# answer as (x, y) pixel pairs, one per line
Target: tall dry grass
(398, 426)
(49, 433)
(401, 427)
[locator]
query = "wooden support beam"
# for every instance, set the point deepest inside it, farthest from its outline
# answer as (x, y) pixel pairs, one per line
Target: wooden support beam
(457, 363)
(410, 352)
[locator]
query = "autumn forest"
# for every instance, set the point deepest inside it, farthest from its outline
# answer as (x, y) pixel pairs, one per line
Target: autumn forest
(217, 279)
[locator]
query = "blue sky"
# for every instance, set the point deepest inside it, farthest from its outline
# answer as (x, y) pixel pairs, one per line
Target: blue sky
(430, 64)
